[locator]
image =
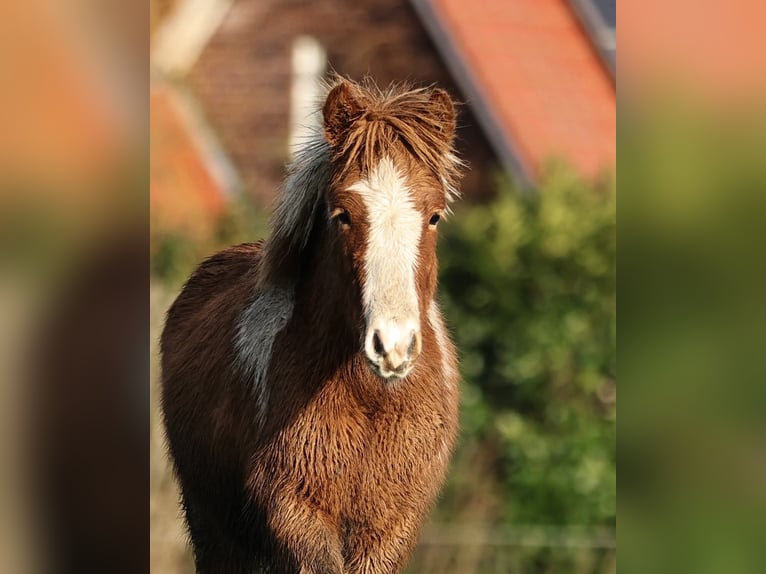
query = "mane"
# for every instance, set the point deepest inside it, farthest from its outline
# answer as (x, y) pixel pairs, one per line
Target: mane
(398, 114)
(295, 212)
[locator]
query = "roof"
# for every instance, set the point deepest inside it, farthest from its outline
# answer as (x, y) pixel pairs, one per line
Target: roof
(534, 78)
(184, 193)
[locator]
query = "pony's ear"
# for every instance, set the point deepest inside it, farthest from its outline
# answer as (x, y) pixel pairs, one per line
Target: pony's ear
(444, 111)
(340, 110)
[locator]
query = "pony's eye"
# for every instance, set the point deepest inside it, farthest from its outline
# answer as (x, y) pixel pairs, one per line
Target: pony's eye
(434, 219)
(344, 218)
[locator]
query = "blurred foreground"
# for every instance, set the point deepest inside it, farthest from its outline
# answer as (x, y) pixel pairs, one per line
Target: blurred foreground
(73, 287)
(693, 327)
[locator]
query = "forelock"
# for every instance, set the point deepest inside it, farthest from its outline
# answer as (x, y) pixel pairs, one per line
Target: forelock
(399, 116)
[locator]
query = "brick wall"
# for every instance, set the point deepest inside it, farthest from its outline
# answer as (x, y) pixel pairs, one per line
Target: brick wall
(242, 78)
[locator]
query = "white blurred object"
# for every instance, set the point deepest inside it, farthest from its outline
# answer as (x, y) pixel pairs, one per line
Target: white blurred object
(181, 39)
(308, 65)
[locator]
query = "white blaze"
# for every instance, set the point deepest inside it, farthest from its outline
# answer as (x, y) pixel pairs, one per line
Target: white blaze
(389, 294)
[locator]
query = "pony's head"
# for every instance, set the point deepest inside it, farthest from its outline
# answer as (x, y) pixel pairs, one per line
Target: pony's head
(393, 174)
(367, 198)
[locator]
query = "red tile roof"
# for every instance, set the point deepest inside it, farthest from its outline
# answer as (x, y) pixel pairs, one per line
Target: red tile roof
(540, 78)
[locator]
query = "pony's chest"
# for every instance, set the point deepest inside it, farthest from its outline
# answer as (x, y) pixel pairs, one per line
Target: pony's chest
(346, 454)
(390, 447)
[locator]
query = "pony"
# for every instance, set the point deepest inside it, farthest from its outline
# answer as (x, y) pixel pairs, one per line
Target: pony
(309, 384)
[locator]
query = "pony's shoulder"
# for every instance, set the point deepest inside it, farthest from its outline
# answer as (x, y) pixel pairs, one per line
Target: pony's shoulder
(226, 270)
(243, 257)
(215, 290)
(228, 264)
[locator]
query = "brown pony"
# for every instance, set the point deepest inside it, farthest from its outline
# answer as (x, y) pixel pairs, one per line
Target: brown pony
(309, 386)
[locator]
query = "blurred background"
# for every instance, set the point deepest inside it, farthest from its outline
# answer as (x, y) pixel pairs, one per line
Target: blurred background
(527, 262)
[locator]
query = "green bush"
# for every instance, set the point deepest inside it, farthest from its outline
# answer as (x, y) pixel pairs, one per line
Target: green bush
(528, 287)
(175, 255)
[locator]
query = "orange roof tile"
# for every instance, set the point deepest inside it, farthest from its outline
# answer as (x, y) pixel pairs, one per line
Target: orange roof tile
(536, 70)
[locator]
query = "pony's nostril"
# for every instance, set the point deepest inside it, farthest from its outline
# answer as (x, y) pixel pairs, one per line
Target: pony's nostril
(378, 344)
(413, 345)
(401, 369)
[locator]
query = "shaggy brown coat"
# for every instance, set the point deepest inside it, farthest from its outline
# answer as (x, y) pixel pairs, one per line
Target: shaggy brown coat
(321, 466)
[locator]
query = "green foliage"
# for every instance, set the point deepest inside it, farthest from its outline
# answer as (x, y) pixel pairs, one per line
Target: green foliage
(174, 255)
(528, 287)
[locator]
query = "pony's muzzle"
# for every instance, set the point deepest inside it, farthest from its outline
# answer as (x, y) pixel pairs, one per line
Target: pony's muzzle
(392, 348)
